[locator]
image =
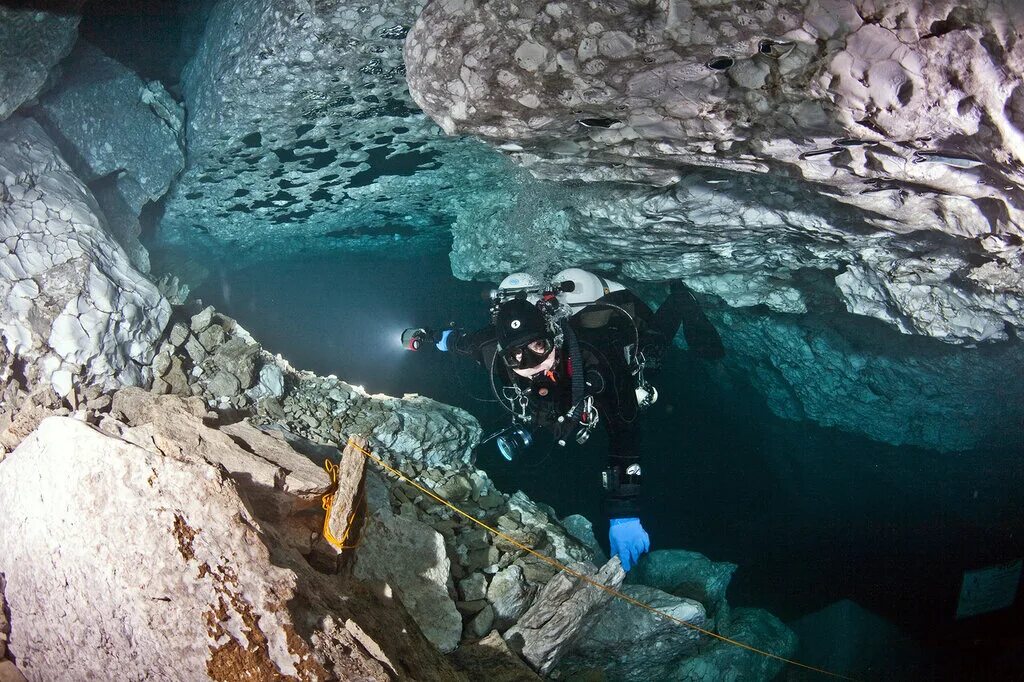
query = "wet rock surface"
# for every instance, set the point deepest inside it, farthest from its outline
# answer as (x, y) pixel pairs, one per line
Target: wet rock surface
(73, 305)
(32, 42)
(301, 127)
(130, 147)
(910, 116)
(224, 597)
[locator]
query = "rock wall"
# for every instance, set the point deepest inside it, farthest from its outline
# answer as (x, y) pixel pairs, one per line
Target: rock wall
(32, 41)
(909, 114)
(122, 136)
(865, 378)
(301, 130)
(73, 306)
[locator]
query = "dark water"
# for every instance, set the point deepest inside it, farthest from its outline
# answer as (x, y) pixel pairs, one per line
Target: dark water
(810, 515)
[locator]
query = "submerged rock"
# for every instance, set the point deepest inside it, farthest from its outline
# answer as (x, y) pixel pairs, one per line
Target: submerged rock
(564, 610)
(725, 661)
(72, 304)
(850, 137)
(631, 643)
(192, 583)
(32, 42)
(847, 639)
(686, 574)
(130, 145)
(410, 556)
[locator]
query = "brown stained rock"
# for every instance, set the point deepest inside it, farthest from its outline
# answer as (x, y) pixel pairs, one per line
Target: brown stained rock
(212, 589)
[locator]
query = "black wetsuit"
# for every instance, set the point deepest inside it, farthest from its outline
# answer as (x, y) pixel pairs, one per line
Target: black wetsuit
(609, 379)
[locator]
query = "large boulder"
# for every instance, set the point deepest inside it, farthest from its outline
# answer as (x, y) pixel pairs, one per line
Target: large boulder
(846, 638)
(158, 568)
(116, 128)
(631, 643)
(71, 302)
(686, 574)
(727, 661)
(410, 556)
(32, 41)
(853, 137)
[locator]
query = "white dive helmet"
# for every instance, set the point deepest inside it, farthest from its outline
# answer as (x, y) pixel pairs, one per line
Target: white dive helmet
(589, 287)
(521, 281)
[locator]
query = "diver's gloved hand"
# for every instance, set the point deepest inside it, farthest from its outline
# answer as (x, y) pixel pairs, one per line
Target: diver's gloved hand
(442, 344)
(628, 541)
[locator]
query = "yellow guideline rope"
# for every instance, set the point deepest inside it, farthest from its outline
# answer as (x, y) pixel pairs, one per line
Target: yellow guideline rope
(328, 502)
(584, 577)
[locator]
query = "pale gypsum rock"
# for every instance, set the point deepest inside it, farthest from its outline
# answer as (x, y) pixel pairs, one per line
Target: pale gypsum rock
(562, 612)
(686, 574)
(409, 556)
(189, 586)
(919, 132)
(631, 643)
(71, 302)
(32, 42)
(267, 469)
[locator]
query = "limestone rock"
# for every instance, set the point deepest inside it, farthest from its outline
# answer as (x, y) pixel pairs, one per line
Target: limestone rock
(510, 595)
(32, 42)
(410, 556)
(474, 587)
(686, 574)
(725, 661)
(561, 614)
(631, 643)
(490, 659)
(10, 673)
(122, 133)
(481, 623)
(809, 135)
(194, 584)
(72, 303)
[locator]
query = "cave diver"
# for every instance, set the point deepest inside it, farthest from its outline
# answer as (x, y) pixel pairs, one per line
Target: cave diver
(574, 353)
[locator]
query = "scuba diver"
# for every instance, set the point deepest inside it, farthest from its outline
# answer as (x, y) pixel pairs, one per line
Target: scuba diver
(570, 355)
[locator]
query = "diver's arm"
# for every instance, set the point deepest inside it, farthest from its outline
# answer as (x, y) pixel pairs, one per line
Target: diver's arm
(621, 480)
(478, 345)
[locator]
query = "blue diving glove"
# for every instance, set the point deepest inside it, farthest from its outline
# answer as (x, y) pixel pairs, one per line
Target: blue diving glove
(442, 345)
(628, 541)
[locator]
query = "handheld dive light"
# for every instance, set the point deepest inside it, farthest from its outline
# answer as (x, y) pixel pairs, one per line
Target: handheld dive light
(413, 337)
